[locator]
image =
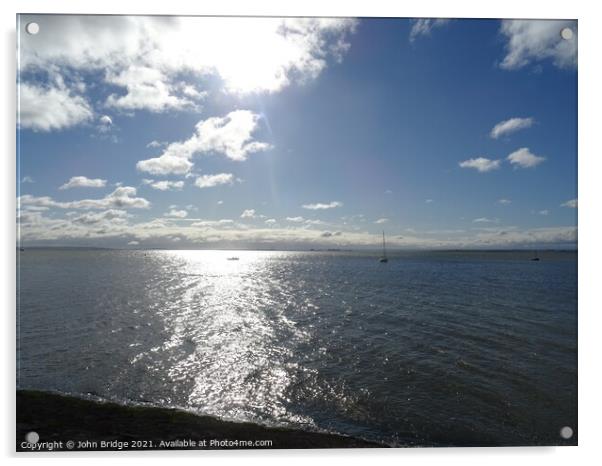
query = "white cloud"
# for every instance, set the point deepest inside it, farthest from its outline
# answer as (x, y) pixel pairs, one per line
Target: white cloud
(51, 108)
(510, 126)
(381, 220)
(191, 91)
(176, 213)
(571, 204)
(270, 221)
(481, 164)
(145, 56)
(428, 201)
(154, 144)
(224, 222)
(209, 181)
(524, 158)
(424, 26)
(164, 185)
(35, 227)
(249, 213)
(133, 243)
(536, 40)
(106, 120)
(121, 198)
(486, 220)
(147, 88)
(83, 182)
(165, 165)
(230, 135)
(323, 206)
(100, 217)
(295, 219)
(544, 212)
(504, 201)
(27, 179)
(315, 222)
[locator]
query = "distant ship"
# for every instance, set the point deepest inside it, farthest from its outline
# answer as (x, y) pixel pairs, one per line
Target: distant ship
(535, 257)
(384, 258)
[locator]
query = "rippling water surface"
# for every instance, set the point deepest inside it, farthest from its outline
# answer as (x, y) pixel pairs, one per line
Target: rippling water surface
(431, 348)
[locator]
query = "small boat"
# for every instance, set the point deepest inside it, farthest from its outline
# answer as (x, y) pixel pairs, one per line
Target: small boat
(234, 258)
(384, 258)
(21, 249)
(535, 257)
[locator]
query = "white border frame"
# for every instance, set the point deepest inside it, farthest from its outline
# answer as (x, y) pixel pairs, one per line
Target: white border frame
(590, 168)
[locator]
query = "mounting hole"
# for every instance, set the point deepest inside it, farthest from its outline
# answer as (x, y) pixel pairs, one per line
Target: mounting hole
(566, 33)
(32, 28)
(32, 437)
(566, 432)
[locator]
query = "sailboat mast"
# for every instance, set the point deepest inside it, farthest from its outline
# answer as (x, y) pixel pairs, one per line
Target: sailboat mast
(384, 250)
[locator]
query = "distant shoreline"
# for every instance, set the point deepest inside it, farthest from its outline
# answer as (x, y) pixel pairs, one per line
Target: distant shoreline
(62, 418)
(392, 250)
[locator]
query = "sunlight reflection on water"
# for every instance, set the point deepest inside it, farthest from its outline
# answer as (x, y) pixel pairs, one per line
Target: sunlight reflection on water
(226, 333)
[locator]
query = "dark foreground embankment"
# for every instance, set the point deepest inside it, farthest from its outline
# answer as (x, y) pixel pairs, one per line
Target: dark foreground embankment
(92, 425)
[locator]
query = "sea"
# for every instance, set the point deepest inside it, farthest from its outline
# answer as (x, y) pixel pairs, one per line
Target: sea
(433, 348)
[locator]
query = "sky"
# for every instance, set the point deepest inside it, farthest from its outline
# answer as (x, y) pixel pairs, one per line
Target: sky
(293, 133)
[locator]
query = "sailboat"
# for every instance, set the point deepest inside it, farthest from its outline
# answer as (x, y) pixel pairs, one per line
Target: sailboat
(535, 257)
(384, 258)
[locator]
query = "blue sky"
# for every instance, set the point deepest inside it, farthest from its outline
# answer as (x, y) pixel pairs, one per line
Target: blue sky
(245, 132)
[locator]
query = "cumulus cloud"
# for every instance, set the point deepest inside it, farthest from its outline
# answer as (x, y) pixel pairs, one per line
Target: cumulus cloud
(122, 198)
(146, 88)
(572, 204)
(270, 221)
(531, 41)
(84, 182)
(523, 158)
(424, 26)
(381, 220)
(481, 164)
(27, 179)
(106, 120)
(209, 181)
(96, 218)
(248, 213)
(51, 108)
(323, 206)
(504, 201)
(36, 227)
(145, 57)
(164, 185)
(510, 126)
(176, 213)
(544, 212)
(295, 219)
(231, 136)
(165, 165)
(191, 91)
